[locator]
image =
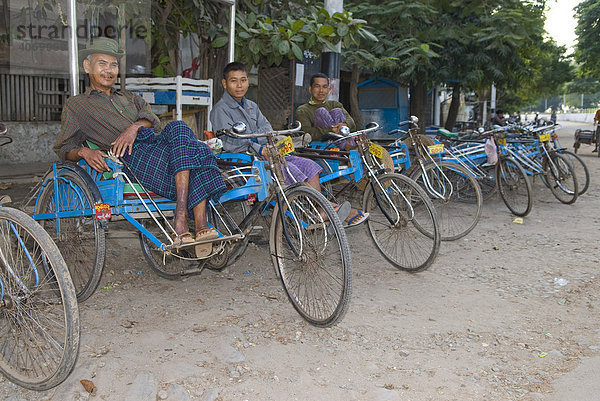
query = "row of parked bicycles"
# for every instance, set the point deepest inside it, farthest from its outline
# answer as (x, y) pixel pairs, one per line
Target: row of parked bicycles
(417, 191)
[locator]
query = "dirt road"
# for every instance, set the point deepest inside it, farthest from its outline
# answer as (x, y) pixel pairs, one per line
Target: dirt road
(508, 313)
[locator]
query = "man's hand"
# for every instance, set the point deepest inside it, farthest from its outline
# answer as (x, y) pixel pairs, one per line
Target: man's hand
(265, 153)
(336, 128)
(124, 142)
(95, 158)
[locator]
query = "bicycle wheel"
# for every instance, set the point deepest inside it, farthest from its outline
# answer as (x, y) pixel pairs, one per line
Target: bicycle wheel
(311, 256)
(81, 239)
(514, 186)
(560, 176)
(402, 222)
(455, 194)
(581, 171)
(39, 316)
(487, 182)
(237, 209)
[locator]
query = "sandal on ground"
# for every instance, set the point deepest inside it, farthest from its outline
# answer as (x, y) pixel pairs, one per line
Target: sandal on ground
(184, 238)
(204, 250)
(358, 219)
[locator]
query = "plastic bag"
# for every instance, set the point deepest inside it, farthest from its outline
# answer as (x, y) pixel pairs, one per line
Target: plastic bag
(491, 151)
(215, 145)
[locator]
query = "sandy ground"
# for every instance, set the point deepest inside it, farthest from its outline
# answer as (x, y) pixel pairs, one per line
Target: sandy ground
(488, 321)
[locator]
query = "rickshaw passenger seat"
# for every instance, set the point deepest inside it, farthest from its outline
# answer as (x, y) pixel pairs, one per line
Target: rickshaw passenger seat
(128, 189)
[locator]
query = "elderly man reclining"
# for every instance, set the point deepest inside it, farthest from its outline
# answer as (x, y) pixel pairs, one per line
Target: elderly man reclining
(171, 162)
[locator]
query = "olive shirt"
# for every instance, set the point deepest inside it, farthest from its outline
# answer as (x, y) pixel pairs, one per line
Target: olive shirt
(306, 115)
(100, 118)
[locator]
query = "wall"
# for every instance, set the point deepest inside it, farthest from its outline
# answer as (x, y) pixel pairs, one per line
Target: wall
(581, 117)
(32, 142)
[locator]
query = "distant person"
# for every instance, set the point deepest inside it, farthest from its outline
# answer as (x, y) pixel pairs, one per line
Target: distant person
(499, 119)
(320, 116)
(553, 117)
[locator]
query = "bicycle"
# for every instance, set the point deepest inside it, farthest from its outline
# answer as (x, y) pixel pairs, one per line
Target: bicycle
(39, 316)
(504, 174)
(402, 219)
(75, 204)
(453, 188)
(538, 157)
(308, 244)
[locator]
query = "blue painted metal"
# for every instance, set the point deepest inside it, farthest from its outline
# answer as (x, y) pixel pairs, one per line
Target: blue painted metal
(112, 192)
(170, 97)
(22, 244)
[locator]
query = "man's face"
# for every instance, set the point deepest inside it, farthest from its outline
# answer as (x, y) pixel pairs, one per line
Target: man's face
(236, 84)
(103, 70)
(319, 89)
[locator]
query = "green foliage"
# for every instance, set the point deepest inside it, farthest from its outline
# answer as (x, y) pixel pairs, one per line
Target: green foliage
(163, 68)
(406, 45)
(583, 85)
(263, 38)
(474, 43)
(588, 32)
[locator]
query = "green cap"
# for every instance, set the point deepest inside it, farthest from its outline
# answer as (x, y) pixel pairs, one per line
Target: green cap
(101, 45)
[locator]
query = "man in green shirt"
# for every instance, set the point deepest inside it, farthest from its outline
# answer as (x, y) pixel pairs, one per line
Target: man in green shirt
(320, 116)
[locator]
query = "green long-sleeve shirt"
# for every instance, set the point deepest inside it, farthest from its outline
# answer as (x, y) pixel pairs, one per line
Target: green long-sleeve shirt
(306, 115)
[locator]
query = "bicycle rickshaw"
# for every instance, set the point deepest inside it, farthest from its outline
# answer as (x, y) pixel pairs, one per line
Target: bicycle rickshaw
(588, 137)
(39, 316)
(402, 220)
(453, 189)
(307, 242)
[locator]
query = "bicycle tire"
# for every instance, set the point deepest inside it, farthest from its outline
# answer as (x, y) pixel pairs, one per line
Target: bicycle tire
(581, 171)
(317, 281)
(82, 239)
(237, 209)
(561, 178)
(409, 243)
(459, 207)
(39, 319)
(514, 186)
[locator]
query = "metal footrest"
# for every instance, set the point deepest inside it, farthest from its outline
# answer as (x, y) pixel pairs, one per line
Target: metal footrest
(235, 237)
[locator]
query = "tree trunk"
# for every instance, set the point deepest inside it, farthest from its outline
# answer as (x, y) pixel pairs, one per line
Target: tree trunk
(170, 42)
(454, 106)
(418, 100)
(354, 109)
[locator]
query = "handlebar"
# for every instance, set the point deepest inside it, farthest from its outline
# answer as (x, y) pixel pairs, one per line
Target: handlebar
(345, 131)
(238, 129)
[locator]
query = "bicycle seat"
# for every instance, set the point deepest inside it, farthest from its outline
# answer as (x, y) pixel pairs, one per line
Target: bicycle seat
(447, 134)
